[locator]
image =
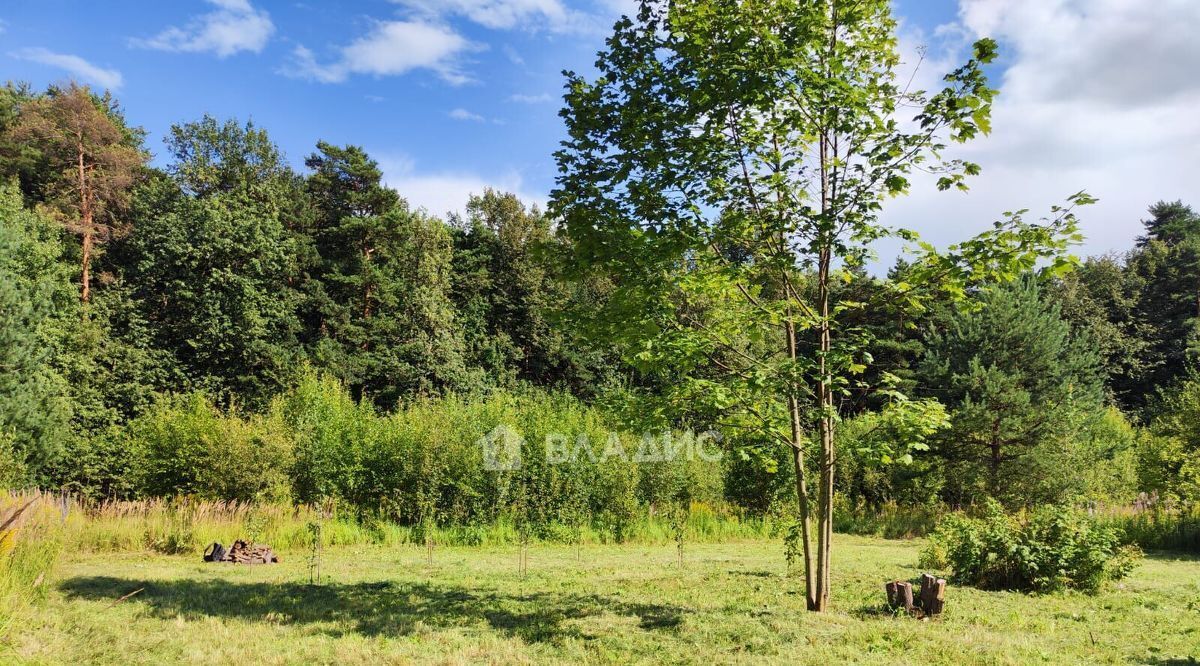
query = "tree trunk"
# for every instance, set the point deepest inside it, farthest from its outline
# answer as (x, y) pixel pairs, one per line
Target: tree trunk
(825, 425)
(801, 483)
(828, 165)
(87, 260)
(86, 220)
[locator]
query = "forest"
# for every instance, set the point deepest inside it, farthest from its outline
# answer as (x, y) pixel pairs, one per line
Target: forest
(213, 327)
(206, 326)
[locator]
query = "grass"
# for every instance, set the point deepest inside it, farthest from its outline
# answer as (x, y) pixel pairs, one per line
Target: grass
(186, 525)
(731, 602)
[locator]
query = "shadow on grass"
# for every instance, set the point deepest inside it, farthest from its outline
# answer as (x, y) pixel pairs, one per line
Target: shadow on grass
(372, 609)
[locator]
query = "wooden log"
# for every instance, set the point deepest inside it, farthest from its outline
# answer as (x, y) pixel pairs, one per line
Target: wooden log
(904, 597)
(933, 594)
(900, 595)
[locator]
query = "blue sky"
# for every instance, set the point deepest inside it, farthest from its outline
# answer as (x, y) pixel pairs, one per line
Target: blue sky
(453, 95)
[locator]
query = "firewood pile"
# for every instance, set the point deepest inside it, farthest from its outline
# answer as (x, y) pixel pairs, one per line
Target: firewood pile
(929, 601)
(241, 553)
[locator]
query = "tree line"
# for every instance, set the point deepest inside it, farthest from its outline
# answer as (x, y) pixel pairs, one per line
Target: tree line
(228, 272)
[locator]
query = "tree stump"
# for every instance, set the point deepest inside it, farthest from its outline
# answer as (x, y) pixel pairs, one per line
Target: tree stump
(933, 594)
(930, 600)
(900, 595)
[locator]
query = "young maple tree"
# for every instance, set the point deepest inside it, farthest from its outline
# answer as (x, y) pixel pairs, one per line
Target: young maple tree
(726, 169)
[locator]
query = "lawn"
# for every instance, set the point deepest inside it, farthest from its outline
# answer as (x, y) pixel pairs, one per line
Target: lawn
(728, 603)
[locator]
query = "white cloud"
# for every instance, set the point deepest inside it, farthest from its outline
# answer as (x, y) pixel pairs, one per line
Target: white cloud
(1098, 95)
(552, 15)
(463, 114)
(391, 48)
(541, 98)
(76, 66)
(509, 52)
(234, 26)
(442, 193)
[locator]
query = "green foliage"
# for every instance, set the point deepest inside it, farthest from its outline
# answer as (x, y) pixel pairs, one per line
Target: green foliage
(1144, 312)
(423, 464)
(510, 294)
(34, 409)
(1170, 452)
(1100, 298)
(330, 431)
(1050, 548)
(1015, 380)
(381, 318)
(186, 446)
(213, 261)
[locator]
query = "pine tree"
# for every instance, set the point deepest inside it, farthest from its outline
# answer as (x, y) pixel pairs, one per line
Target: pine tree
(382, 319)
(1011, 371)
(34, 410)
(1165, 277)
(94, 160)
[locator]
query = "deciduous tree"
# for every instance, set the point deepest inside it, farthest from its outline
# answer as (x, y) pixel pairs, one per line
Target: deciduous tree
(726, 167)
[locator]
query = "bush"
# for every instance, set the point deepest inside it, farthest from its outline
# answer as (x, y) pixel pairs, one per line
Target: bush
(424, 463)
(186, 446)
(1169, 457)
(1052, 548)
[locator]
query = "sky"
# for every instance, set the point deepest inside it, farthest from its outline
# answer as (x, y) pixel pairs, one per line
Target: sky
(451, 96)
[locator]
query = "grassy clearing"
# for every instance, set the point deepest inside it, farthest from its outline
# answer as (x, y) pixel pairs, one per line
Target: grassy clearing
(597, 603)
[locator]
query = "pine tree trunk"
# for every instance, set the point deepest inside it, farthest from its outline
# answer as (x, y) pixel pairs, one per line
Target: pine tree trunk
(86, 221)
(87, 261)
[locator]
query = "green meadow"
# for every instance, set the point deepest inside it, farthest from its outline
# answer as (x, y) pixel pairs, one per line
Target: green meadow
(727, 603)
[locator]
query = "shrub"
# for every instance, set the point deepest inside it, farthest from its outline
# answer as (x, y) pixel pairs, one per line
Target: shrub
(186, 446)
(1052, 548)
(1169, 456)
(424, 463)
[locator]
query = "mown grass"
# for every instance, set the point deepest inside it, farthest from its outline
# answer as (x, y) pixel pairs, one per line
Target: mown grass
(730, 602)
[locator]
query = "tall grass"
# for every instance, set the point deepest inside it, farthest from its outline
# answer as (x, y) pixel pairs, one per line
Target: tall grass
(890, 520)
(31, 538)
(183, 526)
(1175, 530)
